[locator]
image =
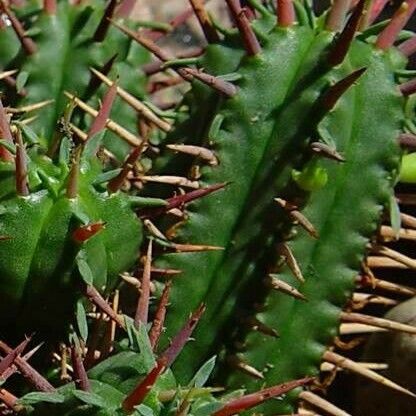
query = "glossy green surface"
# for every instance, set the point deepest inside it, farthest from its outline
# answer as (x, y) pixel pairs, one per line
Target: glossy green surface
(264, 134)
(346, 214)
(38, 260)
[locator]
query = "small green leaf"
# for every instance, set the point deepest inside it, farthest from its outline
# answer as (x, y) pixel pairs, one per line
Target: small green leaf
(140, 340)
(395, 219)
(232, 76)
(91, 147)
(106, 176)
(80, 214)
(9, 146)
(50, 183)
(41, 397)
(90, 398)
(145, 347)
(33, 31)
(215, 126)
(30, 136)
(65, 151)
(84, 268)
(21, 80)
(203, 373)
(82, 320)
(144, 410)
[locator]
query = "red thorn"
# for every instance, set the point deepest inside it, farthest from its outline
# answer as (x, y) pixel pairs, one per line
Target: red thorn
(116, 183)
(408, 47)
(180, 200)
(224, 87)
(407, 141)
(208, 28)
(330, 97)
(27, 43)
(336, 15)
(102, 28)
(81, 378)
(376, 8)
(250, 41)
(249, 9)
(5, 134)
(50, 6)
(343, 42)
(182, 337)
(250, 400)
(37, 380)
(408, 87)
(85, 232)
(159, 319)
(104, 113)
(140, 392)
(21, 166)
(125, 9)
(285, 13)
(8, 399)
(142, 310)
(9, 359)
(13, 369)
(389, 35)
(94, 296)
(188, 74)
(95, 82)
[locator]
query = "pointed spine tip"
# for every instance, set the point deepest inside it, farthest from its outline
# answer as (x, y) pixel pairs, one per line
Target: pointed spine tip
(35, 379)
(5, 134)
(388, 36)
(250, 40)
(336, 15)
(250, 400)
(204, 19)
(22, 188)
(103, 115)
(237, 363)
(142, 309)
(331, 96)
(342, 43)
(137, 396)
(85, 232)
(159, 319)
(125, 9)
(182, 337)
(80, 374)
(103, 26)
